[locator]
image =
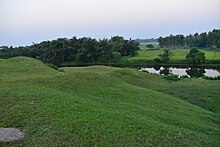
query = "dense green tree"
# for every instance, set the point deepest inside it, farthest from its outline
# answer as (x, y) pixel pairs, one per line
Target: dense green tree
(74, 50)
(104, 51)
(195, 56)
(116, 56)
(202, 40)
(165, 57)
(150, 46)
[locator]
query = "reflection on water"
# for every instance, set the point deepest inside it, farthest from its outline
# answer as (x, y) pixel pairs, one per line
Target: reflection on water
(165, 71)
(195, 72)
(190, 72)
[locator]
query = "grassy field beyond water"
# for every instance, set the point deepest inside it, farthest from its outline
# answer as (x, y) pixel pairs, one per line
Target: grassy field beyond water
(179, 55)
(106, 106)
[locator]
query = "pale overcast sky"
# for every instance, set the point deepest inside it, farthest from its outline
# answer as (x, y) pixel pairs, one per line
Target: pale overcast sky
(25, 21)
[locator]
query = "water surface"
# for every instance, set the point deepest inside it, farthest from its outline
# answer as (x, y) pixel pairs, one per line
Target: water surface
(190, 72)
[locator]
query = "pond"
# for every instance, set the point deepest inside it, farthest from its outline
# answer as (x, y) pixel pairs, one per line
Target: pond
(190, 72)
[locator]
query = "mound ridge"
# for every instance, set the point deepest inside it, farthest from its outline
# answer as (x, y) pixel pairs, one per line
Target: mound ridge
(23, 64)
(24, 67)
(98, 106)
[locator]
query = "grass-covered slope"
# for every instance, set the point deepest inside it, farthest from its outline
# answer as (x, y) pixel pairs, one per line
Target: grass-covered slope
(200, 92)
(97, 106)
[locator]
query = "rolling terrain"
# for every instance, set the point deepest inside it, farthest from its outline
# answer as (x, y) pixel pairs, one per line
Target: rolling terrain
(106, 106)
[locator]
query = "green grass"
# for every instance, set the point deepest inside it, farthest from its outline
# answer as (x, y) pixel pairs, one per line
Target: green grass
(178, 55)
(105, 106)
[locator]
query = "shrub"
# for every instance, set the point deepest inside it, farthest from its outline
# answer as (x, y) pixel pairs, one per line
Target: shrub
(116, 56)
(157, 60)
(172, 78)
(52, 66)
(184, 77)
(60, 70)
(166, 56)
(211, 78)
(55, 67)
(123, 60)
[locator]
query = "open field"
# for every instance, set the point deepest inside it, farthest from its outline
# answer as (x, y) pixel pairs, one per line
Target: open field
(178, 55)
(99, 106)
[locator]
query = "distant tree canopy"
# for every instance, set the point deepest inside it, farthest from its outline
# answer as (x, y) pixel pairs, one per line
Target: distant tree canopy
(202, 40)
(74, 50)
(165, 57)
(195, 56)
(150, 46)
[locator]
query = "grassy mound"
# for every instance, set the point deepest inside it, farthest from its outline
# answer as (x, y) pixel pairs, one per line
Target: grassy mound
(21, 68)
(98, 105)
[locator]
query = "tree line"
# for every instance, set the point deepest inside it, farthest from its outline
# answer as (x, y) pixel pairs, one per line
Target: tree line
(75, 50)
(203, 40)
